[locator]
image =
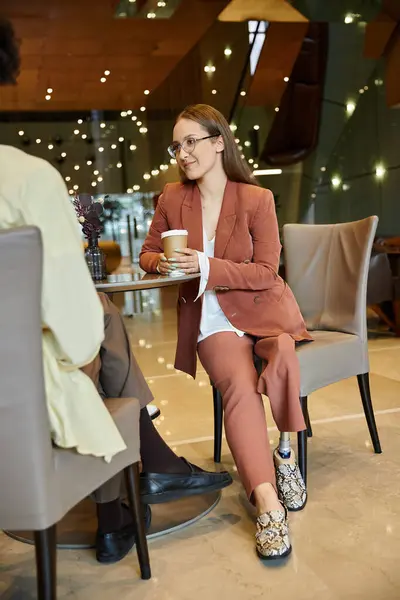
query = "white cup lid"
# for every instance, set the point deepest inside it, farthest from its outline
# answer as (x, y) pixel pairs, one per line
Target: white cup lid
(173, 232)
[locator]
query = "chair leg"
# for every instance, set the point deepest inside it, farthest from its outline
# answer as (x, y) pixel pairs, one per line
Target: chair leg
(218, 422)
(46, 567)
(302, 442)
(132, 476)
(304, 401)
(302, 453)
(363, 384)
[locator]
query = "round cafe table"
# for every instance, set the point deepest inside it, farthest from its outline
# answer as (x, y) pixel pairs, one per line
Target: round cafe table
(78, 528)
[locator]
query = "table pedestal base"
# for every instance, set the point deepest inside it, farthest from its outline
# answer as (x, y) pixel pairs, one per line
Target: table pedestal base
(78, 528)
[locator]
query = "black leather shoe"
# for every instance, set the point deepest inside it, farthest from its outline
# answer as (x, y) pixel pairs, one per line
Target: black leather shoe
(156, 488)
(113, 547)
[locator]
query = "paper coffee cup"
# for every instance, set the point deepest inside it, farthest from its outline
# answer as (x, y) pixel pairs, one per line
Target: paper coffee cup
(175, 239)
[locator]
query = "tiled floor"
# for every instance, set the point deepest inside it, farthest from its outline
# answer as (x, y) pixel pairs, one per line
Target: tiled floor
(346, 543)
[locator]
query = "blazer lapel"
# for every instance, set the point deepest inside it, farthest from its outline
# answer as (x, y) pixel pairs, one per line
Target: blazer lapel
(192, 219)
(227, 219)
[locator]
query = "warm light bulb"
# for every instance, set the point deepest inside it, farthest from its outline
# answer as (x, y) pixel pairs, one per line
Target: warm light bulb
(100, 179)
(155, 172)
(143, 130)
(95, 172)
(247, 144)
(38, 141)
(68, 178)
(228, 52)
(102, 125)
(76, 187)
(286, 79)
(132, 147)
(380, 171)
(134, 118)
(89, 162)
(113, 146)
(276, 108)
(348, 18)
(50, 146)
(107, 73)
(101, 149)
(146, 92)
(146, 176)
(323, 169)
(256, 127)
(121, 139)
(136, 188)
(242, 93)
(103, 80)
(142, 108)
(63, 154)
(48, 97)
(21, 132)
(336, 181)
(119, 165)
(151, 15)
(350, 108)
(233, 127)
(124, 113)
(49, 90)
(76, 131)
(80, 121)
(214, 92)
(76, 167)
(94, 183)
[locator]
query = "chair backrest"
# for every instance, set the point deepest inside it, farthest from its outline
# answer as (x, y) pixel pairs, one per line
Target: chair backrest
(327, 269)
(25, 443)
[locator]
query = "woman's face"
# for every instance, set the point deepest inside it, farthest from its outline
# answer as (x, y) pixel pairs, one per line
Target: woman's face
(196, 158)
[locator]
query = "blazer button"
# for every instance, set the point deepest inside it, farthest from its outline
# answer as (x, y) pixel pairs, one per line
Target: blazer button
(257, 299)
(247, 261)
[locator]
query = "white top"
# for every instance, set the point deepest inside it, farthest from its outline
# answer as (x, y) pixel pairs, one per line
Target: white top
(213, 319)
(32, 192)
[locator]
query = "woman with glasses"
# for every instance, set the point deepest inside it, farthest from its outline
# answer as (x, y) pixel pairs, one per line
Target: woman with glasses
(241, 306)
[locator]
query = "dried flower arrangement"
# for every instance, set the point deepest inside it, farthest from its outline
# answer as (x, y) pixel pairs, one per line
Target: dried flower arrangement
(89, 212)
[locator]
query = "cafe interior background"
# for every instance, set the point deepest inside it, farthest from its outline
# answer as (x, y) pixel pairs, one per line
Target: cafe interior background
(311, 89)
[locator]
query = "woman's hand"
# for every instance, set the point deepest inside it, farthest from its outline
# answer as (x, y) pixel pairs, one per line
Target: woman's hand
(163, 267)
(188, 262)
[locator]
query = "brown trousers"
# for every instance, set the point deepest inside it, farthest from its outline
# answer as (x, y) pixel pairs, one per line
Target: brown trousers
(116, 374)
(228, 360)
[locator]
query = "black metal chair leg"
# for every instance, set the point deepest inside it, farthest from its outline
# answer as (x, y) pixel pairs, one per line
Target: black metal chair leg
(304, 406)
(132, 476)
(363, 384)
(302, 441)
(46, 567)
(302, 453)
(218, 422)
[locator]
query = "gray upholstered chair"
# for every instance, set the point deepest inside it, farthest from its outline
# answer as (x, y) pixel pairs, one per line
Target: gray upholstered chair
(327, 269)
(39, 483)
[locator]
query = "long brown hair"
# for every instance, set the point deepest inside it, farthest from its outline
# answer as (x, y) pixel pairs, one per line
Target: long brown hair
(214, 123)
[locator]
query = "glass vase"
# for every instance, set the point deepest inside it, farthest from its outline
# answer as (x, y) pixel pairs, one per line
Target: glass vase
(96, 259)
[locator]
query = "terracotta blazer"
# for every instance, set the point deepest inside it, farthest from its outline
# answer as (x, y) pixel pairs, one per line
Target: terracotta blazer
(244, 272)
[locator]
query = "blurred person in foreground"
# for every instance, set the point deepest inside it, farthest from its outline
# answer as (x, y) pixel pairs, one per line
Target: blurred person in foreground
(86, 350)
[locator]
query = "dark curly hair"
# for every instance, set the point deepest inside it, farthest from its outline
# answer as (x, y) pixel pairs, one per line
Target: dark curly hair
(9, 53)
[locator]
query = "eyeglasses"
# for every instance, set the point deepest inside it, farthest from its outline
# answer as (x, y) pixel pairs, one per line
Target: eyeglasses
(188, 145)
